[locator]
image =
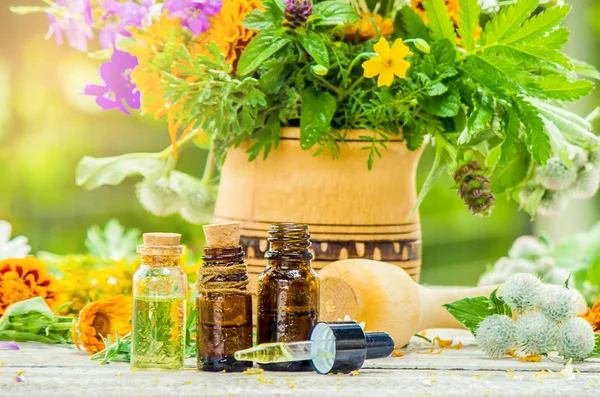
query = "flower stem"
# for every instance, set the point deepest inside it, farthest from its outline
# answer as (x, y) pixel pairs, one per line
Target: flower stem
(211, 166)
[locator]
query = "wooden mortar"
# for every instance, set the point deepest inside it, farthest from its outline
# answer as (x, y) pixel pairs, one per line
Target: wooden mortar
(387, 299)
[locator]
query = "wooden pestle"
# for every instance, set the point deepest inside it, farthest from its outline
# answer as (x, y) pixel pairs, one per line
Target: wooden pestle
(387, 299)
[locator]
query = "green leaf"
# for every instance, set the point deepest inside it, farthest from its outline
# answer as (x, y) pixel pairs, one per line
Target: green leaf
(560, 146)
(468, 12)
(437, 89)
(114, 242)
(555, 40)
(413, 24)
(276, 72)
(531, 55)
(585, 69)
(313, 44)
(513, 171)
(334, 13)
(445, 105)
(440, 24)
(92, 172)
(557, 86)
(596, 351)
(538, 142)
(508, 20)
(274, 9)
(533, 203)
(438, 168)
(538, 25)
(318, 108)
(478, 120)
(575, 129)
(267, 138)
(470, 311)
(257, 20)
(265, 44)
(498, 306)
(512, 126)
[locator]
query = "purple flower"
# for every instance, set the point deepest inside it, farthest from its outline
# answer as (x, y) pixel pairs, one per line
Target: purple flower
(11, 345)
(75, 23)
(119, 88)
(194, 13)
(117, 18)
(296, 13)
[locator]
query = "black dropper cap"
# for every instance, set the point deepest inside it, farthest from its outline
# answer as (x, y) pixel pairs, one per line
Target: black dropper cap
(348, 346)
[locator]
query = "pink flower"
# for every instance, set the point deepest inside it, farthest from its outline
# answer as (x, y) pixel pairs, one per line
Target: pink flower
(75, 23)
(194, 13)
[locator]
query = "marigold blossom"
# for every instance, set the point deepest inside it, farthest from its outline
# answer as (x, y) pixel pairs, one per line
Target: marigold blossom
(388, 62)
(100, 319)
(26, 278)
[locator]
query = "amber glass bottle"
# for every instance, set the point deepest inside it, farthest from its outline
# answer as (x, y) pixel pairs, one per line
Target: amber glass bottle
(288, 291)
(224, 310)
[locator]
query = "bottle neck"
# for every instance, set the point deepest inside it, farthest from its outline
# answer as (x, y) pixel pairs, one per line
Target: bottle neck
(223, 265)
(160, 256)
(288, 245)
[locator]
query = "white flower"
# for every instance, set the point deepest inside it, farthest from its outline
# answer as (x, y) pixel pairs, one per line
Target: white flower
(575, 339)
(558, 303)
(522, 291)
(536, 333)
(496, 335)
(16, 248)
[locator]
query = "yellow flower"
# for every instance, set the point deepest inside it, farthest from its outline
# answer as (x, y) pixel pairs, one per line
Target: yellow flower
(155, 47)
(388, 62)
(227, 31)
(100, 319)
(26, 278)
(369, 27)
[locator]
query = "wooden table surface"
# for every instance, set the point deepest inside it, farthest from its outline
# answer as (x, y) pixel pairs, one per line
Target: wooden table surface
(55, 370)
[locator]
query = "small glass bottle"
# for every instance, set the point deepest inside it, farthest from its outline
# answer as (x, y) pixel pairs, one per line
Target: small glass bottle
(288, 292)
(159, 305)
(224, 310)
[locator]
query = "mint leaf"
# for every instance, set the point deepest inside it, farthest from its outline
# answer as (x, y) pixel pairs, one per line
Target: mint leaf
(469, 11)
(470, 311)
(440, 24)
(257, 20)
(265, 44)
(318, 108)
(445, 105)
(334, 13)
(315, 47)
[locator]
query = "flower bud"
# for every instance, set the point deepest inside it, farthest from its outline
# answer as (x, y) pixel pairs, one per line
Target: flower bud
(575, 339)
(422, 46)
(413, 102)
(522, 291)
(496, 335)
(319, 70)
(527, 247)
(553, 203)
(558, 302)
(555, 176)
(586, 185)
(536, 333)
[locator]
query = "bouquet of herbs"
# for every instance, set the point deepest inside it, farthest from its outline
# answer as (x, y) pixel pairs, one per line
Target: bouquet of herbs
(487, 85)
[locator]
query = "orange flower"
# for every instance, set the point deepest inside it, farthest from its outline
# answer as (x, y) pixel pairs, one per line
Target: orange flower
(593, 316)
(369, 26)
(226, 30)
(100, 319)
(25, 278)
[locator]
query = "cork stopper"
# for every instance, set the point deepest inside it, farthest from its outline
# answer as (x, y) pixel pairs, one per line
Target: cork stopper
(223, 235)
(162, 239)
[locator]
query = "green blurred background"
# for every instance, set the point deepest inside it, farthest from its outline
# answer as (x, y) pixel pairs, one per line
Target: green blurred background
(46, 127)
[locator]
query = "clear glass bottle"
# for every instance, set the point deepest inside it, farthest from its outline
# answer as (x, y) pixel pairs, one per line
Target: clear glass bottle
(224, 310)
(288, 292)
(159, 305)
